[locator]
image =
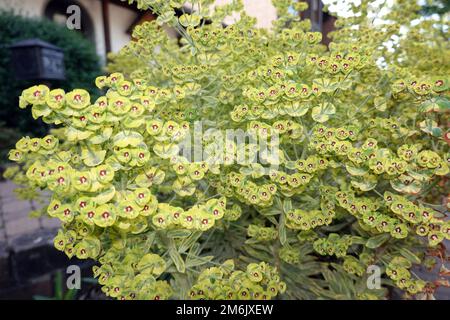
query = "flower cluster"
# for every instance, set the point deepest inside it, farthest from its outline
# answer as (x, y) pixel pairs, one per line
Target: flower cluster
(424, 220)
(305, 220)
(353, 266)
(199, 217)
(261, 233)
(397, 270)
(343, 160)
(290, 255)
(129, 273)
(333, 245)
(258, 282)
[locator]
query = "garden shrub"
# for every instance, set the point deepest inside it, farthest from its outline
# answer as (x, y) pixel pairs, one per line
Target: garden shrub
(353, 179)
(80, 59)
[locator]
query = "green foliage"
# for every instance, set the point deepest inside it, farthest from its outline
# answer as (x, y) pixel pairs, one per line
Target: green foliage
(80, 60)
(436, 7)
(59, 294)
(356, 178)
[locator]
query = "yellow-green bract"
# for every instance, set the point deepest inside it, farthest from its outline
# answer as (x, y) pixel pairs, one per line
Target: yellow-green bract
(359, 178)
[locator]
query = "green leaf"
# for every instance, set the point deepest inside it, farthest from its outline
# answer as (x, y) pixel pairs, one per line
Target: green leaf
(443, 103)
(177, 260)
(326, 84)
(91, 157)
(178, 233)
(269, 211)
(364, 183)
(287, 205)
(104, 135)
(184, 187)
(210, 101)
(151, 264)
(58, 285)
(127, 138)
(105, 196)
(40, 111)
(165, 17)
(407, 187)
(437, 104)
(195, 261)
(149, 177)
(296, 109)
(89, 280)
(189, 20)
(355, 171)
(133, 123)
(380, 103)
(70, 294)
(378, 240)
(75, 134)
(323, 111)
(39, 297)
(436, 132)
(282, 229)
(165, 150)
(431, 127)
(409, 255)
(187, 243)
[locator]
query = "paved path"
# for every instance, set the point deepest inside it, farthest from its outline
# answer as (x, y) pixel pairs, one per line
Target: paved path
(14, 216)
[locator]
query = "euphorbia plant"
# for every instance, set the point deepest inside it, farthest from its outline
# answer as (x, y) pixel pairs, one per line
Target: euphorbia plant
(354, 179)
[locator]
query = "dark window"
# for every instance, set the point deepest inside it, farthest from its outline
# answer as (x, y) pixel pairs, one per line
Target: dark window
(56, 10)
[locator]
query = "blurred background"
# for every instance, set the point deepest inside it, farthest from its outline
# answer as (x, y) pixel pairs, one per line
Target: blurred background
(30, 268)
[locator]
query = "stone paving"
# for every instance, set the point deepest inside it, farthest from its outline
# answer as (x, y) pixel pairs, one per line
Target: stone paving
(14, 217)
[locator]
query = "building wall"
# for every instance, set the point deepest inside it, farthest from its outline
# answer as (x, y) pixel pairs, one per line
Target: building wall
(94, 9)
(119, 19)
(262, 10)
